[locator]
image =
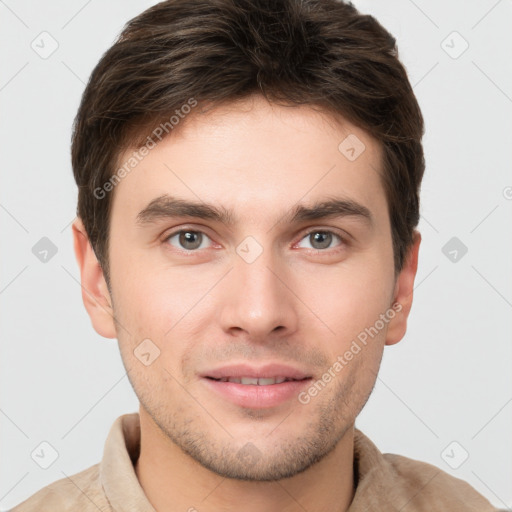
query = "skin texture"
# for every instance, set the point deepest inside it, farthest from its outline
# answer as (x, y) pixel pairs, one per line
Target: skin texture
(292, 305)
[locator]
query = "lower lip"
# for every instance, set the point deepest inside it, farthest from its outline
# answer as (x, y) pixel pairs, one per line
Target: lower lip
(258, 397)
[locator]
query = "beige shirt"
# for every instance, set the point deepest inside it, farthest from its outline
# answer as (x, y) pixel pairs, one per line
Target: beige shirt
(385, 482)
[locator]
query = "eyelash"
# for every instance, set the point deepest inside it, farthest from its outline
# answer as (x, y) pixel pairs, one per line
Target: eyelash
(343, 240)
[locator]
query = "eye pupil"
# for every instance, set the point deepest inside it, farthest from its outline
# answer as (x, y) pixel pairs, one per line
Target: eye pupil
(187, 239)
(323, 237)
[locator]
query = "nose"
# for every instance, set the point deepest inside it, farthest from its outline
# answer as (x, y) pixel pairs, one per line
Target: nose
(257, 301)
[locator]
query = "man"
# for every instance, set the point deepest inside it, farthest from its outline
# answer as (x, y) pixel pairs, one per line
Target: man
(249, 176)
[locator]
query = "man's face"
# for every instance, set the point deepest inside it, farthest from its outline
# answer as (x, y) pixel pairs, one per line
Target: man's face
(263, 289)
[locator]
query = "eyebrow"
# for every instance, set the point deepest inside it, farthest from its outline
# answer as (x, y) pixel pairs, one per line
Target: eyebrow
(167, 206)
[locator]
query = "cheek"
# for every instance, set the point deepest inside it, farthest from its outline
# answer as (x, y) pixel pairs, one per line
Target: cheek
(348, 298)
(165, 306)
(152, 299)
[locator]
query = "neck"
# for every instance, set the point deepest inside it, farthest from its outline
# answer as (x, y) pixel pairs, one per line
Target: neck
(173, 481)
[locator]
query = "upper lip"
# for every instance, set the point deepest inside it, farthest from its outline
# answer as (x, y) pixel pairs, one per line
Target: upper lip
(264, 372)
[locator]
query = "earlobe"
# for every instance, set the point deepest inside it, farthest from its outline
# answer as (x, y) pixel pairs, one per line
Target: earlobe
(403, 295)
(95, 294)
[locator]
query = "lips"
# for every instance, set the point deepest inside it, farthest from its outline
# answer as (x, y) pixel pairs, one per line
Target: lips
(256, 387)
(255, 381)
(269, 374)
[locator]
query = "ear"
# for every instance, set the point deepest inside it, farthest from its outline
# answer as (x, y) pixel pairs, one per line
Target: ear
(95, 294)
(403, 293)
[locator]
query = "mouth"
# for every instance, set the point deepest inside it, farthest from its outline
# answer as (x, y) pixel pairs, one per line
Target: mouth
(257, 381)
(256, 388)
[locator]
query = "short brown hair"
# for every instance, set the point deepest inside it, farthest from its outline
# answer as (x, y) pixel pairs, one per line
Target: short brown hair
(314, 52)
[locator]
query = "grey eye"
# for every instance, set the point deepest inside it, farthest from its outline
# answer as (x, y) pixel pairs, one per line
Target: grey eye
(188, 240)
(320, 239)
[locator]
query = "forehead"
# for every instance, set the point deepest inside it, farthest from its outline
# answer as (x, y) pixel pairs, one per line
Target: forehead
(255, 156)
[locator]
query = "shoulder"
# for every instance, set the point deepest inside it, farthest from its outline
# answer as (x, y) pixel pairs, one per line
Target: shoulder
(81, 491)
(427, 485)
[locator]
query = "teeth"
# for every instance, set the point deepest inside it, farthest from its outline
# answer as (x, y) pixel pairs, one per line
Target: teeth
(249, 380)
(266, 382)
(255, 381)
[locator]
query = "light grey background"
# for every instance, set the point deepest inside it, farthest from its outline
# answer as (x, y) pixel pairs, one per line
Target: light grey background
(448, 380)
